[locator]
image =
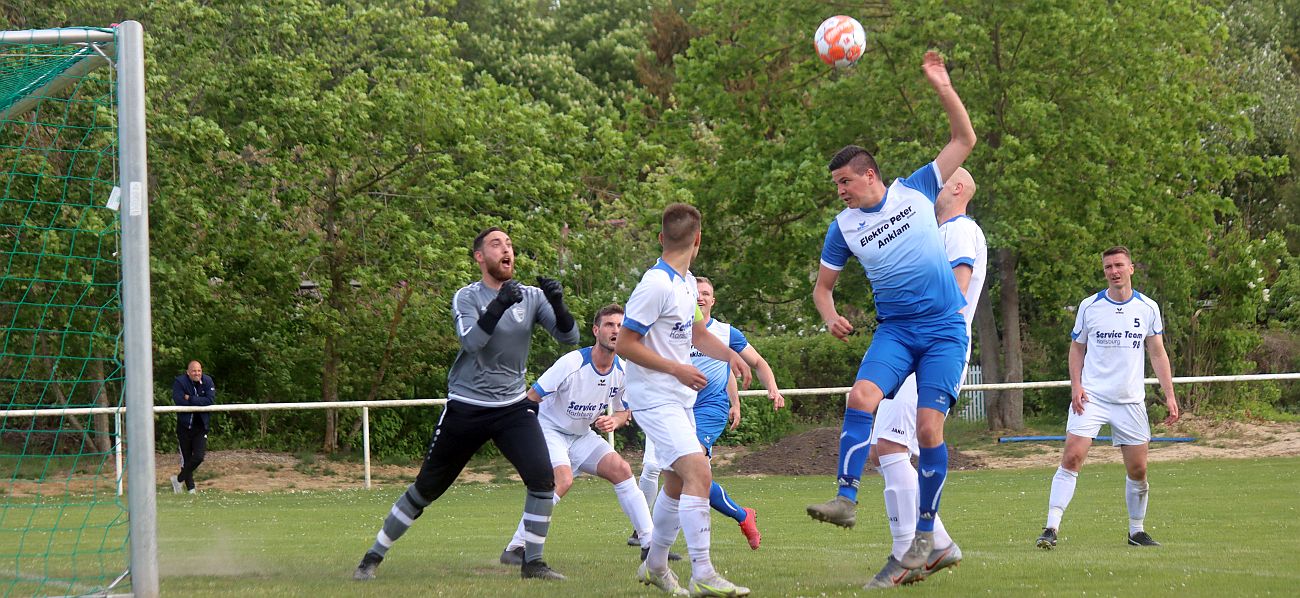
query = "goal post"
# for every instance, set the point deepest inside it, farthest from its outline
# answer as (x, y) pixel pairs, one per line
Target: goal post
(75, 298)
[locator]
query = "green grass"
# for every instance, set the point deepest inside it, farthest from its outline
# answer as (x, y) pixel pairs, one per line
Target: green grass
(1229, 528)
(1224, 525)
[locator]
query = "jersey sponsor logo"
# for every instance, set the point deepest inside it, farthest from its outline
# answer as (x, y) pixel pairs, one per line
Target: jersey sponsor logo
(1116, 338)
(890, 230)
(680, 331)
(582, 411)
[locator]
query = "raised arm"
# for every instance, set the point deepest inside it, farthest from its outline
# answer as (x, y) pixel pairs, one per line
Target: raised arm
(1164, 373)
(962, 134)
(475, 330)
(824, 299)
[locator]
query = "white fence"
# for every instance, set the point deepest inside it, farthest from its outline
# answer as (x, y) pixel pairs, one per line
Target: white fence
(975, 388)
(970, 406)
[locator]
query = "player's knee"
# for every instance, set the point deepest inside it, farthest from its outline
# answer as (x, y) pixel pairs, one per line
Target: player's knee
(1071, 461)
(864, 397)
(562, 485)
(1137, 472)
(541, 481)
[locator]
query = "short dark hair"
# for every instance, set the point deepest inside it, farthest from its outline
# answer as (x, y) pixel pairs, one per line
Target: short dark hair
(681, 222)
(1117, 250)
(608, 310)
(854, 155)
(478, 241)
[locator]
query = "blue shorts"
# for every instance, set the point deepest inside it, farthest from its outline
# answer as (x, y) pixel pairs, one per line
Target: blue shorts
(934, 351)
(710, 423)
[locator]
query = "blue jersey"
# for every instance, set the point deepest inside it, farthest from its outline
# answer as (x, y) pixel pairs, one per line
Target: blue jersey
(899, 246)
(713, 399)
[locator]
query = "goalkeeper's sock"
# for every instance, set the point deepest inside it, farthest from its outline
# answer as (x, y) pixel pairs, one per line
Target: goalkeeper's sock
(405, 511)
(537, 521)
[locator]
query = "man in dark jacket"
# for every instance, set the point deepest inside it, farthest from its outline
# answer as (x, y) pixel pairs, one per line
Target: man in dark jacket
(191, 389)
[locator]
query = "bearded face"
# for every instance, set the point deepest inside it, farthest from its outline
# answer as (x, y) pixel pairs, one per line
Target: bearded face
(497, 257)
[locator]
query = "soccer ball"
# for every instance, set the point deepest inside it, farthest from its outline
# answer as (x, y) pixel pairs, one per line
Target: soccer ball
(840, 41)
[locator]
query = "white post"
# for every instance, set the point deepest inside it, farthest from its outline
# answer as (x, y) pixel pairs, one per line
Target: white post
(117, 448)
(609, 410)
(142, 501)
(365, 441)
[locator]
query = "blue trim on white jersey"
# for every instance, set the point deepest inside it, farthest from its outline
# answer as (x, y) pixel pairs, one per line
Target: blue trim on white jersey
(956, 218)
(635, 326)
(1105, 295)
(541, 392)
(962, 261)
(662, 265)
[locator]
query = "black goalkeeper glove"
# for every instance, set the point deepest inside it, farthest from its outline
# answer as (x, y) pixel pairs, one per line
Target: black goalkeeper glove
(554, 292)
(511, 293)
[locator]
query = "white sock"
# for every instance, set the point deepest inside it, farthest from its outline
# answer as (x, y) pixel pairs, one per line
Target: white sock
(649, 483)
(1135, 494)
(941, 538)
(517, 541)
(696, 519)
(1062, 491)
(902, 495)
(666, 525)
(633, 504)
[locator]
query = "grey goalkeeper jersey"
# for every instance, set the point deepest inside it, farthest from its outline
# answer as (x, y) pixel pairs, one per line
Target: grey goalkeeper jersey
(489, 370)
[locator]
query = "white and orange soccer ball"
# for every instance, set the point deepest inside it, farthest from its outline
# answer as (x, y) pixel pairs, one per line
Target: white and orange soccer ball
(840, 41)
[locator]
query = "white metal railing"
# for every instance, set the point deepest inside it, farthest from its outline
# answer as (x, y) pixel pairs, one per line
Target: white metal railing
(365, 406)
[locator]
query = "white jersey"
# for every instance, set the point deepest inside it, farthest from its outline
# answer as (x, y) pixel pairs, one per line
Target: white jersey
(574, 393)
(963, 241)
(1115, 334)
(662, 309)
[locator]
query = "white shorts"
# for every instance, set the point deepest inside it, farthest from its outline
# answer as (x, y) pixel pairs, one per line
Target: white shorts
(585, 450)
(896, 418)
(1128, 422)
(669, 432)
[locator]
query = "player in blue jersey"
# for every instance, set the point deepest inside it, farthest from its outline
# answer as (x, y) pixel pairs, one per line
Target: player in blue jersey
(1111, 330)
(893, 437)
(893, 233)
(717, 405)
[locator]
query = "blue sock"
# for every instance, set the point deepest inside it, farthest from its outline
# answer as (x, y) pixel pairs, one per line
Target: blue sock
(722, 503)
(854, 436)
(932, 472)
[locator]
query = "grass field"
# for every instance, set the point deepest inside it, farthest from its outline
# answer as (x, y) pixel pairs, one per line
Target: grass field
(1229, 529)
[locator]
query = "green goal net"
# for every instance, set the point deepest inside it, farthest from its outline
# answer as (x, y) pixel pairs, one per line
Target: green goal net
(63, 523)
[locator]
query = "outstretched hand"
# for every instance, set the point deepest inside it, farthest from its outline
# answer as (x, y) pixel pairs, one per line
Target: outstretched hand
(552, 288)
(935, 71)
(511, 293)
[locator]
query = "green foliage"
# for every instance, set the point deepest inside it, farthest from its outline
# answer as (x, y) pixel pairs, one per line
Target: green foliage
(759, 423)
(813, 361)
(314, 193)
